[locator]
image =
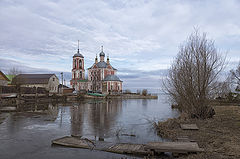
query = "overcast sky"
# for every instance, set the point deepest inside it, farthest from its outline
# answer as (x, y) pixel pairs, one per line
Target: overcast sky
(141, 36)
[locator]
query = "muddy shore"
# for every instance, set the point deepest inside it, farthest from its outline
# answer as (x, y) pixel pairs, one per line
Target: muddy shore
(219, 136)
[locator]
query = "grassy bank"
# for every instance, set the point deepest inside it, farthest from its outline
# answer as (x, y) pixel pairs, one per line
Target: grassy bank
(219, 136)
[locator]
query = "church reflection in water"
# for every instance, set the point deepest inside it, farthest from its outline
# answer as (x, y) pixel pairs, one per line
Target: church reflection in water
(95, 118)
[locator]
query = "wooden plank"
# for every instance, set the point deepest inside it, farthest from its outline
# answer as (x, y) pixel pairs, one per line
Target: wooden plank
(175, 147)
(185, 139)
(73, 142)
(127, 148)
(8, 109)
(189, 126)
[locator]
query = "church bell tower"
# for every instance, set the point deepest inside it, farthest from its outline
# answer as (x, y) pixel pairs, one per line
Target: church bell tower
(78, 71)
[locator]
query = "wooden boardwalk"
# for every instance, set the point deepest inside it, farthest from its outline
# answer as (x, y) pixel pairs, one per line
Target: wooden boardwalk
(175, 147)
(129, 148)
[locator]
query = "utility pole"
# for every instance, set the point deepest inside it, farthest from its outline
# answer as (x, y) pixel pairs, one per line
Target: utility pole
(62, 82)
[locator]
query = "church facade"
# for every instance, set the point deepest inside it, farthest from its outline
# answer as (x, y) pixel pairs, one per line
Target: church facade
(102, 76)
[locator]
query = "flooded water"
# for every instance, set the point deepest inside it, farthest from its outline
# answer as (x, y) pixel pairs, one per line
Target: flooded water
(28, 134)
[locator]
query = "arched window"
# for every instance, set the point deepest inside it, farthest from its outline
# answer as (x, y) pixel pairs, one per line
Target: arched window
(80, 64)
(80, 74)
(74, 63)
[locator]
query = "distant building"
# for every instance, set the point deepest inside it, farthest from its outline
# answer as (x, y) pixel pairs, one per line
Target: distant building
(64, 89)
(48, 81)
(3, 79)
(101, 75)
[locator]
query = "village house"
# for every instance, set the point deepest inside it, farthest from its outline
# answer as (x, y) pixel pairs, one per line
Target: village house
(48, 81)
(101, 75)
(3, 79)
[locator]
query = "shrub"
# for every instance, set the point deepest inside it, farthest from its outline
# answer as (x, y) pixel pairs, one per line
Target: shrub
(192, 76)
(144, 92)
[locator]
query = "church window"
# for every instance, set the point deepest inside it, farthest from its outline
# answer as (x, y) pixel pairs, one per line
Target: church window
(75, 64)
(80, 64)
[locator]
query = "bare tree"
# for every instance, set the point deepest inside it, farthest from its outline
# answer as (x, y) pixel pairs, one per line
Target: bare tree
(193, 75)
(222, 89)
(235, 74)
(14, 71)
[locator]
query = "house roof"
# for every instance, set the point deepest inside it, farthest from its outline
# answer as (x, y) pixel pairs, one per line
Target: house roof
(32, 78)
(64, 86)
(112, 78)
(4, 76)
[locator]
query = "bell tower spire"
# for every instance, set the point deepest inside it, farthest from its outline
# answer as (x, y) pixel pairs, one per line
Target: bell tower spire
(96, 59)
(78, 47)
(108, 62)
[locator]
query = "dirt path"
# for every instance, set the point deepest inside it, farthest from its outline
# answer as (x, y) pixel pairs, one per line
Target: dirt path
(219, 136)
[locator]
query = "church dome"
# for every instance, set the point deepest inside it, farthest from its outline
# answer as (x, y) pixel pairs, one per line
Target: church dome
(102, 53)
(78, 55)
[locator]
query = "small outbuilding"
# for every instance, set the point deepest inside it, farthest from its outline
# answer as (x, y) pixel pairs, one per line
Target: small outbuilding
(48, 81)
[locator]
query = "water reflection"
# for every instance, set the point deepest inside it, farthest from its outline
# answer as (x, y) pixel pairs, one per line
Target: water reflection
(77, 119)
(144, 102)
(49, 108)
(100, 117)
(35, 125)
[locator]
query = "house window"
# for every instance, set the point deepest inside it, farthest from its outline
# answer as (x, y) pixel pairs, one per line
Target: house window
(53, 79)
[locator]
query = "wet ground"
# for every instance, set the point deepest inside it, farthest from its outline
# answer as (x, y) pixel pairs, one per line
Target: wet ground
(28, 134)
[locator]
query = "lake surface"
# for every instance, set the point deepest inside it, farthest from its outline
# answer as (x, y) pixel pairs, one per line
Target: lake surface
(28, 134)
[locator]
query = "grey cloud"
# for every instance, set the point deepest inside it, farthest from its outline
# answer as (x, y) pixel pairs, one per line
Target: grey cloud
(143, 34)
(6, 65)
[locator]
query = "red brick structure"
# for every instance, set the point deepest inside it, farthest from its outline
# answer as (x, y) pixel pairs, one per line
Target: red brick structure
(101, 75)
